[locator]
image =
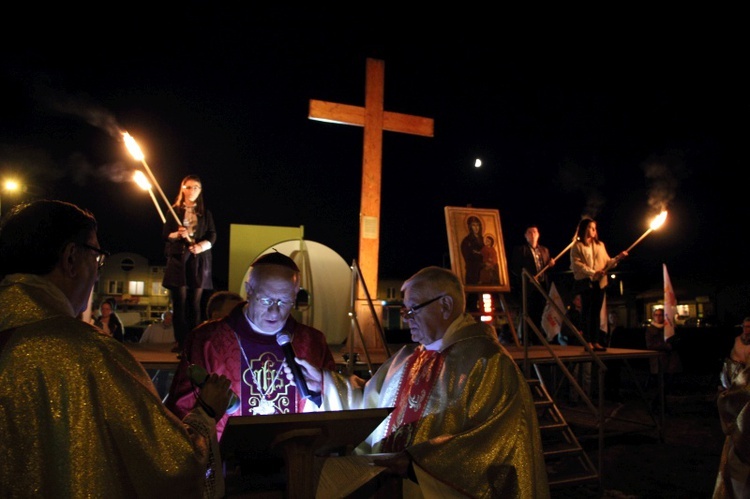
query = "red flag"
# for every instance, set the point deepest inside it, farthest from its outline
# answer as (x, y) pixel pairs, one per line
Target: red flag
(670, 305)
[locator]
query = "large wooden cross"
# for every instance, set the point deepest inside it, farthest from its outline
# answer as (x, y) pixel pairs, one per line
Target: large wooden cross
(374, 120)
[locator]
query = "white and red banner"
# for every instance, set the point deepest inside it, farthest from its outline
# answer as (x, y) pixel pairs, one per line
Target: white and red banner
(670, 305)
(551, 320)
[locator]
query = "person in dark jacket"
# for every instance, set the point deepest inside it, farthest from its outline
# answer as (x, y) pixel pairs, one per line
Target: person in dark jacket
(109, 321)
(189, 259)
(533, 257)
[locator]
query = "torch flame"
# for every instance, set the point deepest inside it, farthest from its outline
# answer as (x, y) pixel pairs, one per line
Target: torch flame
(133, 147)
(140, 178)
(659, 220)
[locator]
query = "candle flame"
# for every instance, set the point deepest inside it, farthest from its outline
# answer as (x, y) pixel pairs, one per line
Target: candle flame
(140, 178)
(659, 220)
(133, 147)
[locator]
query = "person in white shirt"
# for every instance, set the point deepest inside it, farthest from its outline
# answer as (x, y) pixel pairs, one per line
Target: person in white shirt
(160, 332)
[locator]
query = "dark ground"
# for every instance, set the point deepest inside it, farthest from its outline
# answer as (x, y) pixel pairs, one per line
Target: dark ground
(637, 464)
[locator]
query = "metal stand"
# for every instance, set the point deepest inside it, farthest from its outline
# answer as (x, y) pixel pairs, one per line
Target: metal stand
(358, 279)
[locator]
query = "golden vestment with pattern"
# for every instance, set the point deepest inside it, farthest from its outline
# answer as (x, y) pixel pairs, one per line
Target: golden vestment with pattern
(478, 431)
(80, 417)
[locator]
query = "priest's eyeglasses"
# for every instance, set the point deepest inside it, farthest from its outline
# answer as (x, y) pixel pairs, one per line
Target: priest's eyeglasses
(101, 254)
(409, 313)
(267, 302)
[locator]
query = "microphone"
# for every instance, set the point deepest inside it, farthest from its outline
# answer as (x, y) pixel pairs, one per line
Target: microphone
(284, 339)
(198, 375)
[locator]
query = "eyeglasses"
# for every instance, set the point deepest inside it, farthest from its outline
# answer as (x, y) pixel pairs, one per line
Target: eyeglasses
(267, 302)
(409, 313)
(101, 254)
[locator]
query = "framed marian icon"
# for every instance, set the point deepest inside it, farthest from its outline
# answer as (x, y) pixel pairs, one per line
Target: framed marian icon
(476, 248)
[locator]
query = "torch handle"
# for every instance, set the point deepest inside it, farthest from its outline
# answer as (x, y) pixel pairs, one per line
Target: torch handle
(558, 256)
(164, 197)
(158, 208)
(638, 240)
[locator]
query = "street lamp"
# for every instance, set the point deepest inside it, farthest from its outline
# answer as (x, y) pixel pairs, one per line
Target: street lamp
(9, 186)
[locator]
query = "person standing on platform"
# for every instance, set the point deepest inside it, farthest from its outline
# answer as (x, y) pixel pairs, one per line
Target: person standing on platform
(533, 257)
(244, 347)
(464, 421)
(80, 417)
(189, 259)
(590, 263)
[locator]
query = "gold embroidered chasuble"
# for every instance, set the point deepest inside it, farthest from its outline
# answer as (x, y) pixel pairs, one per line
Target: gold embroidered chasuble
(477, 432)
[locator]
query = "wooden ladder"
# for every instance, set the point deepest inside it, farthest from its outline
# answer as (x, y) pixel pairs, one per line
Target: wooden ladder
(569, 468)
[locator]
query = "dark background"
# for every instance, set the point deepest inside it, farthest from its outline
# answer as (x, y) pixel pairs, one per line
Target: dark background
(613, 114)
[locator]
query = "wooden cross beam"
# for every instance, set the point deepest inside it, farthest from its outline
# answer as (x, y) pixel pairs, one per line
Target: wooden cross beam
(374, 120)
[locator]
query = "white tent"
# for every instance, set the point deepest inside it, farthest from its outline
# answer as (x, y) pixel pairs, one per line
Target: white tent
(328, 280)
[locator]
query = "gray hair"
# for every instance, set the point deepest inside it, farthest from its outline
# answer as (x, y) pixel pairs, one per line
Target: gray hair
(437, 280)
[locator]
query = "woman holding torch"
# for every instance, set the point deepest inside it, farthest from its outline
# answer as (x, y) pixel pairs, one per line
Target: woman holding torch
(590, 263)
(189, 261)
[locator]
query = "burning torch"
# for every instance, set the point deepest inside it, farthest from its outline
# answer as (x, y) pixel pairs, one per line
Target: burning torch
(137, 154)
(657, 222)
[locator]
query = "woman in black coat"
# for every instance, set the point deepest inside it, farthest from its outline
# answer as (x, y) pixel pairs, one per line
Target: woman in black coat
(189, 261)
(109, 321)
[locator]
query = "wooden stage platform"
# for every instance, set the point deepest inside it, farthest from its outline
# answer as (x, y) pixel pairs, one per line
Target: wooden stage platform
(154, 355)
(158, 355)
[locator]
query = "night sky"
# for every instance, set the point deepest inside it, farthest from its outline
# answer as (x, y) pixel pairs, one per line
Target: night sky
(615, 118)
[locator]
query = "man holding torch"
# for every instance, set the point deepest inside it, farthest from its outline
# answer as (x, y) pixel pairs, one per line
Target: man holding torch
(535, 258)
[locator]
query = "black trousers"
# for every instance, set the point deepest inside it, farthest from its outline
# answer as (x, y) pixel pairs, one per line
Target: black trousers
(592, 299)
(186, 308)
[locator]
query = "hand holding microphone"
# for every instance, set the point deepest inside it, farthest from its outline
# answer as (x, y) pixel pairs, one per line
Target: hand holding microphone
(284, 339)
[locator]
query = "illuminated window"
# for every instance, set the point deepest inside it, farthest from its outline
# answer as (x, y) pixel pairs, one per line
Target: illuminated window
(136, 287)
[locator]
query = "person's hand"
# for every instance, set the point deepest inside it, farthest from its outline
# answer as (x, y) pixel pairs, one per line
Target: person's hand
(195, 249)
(622, 255)
(183, 232)
(216, 393)
(397, 464)
(551, 262)
(313, 375)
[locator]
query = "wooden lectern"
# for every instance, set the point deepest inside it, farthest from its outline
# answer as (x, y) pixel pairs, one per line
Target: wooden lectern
(298, 438)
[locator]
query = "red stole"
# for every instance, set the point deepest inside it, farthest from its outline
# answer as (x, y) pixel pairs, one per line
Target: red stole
(417, 382)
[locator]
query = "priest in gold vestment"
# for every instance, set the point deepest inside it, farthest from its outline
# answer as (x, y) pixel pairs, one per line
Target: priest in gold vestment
(464, 422)
(79, 416)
